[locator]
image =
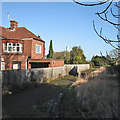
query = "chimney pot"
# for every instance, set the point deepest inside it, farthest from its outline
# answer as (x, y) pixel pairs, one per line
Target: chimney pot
(13, 24)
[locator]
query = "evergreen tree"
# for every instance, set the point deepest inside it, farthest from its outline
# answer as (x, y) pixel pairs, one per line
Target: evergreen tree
(51, 52)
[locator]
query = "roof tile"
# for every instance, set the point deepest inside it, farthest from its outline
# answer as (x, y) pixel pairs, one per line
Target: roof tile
(18, 33)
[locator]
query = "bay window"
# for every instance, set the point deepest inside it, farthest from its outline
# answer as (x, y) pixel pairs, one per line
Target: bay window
(12, 47)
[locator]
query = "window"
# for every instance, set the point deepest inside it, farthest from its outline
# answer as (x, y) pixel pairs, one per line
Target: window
(38, 49)
(16, 65)
(12, 47)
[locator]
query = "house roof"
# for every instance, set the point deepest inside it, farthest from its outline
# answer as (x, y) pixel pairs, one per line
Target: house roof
(58, 55)
(18, 33)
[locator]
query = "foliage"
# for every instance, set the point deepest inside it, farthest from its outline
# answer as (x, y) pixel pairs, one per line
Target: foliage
(39, 36)
(77, 56)
(51, 52)
(67, 58)
(99, 60)
(113, 55)
(44, 80)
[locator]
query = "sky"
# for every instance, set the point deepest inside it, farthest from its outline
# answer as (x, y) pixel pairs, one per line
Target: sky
(66, 23)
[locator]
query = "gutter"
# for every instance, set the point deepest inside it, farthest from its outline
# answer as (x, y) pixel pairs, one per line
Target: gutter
(22, 39)
(39, 40)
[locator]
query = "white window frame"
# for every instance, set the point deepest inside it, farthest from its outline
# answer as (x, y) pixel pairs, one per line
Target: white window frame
(15, 66)
(37, 49)
(2, 65)
(15, 47)
(25, 65)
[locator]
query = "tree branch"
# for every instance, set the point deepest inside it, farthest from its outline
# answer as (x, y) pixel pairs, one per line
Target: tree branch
(117, 28)
(105, 19)
(105, 9)
(116, 5)
(100, 3)
(116, 16)
(108, 41)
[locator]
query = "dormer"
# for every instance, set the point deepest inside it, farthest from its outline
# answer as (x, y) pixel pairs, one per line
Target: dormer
(13, 24)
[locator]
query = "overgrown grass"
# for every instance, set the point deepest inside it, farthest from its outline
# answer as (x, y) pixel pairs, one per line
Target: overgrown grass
(98, 98)
(89, 70)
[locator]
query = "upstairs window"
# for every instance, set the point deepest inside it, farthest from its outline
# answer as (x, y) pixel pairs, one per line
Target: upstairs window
(38, 49)
(12, 47)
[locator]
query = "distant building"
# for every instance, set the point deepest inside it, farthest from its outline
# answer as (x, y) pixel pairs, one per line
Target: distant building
(59, 55)
(67, 49)
(21, 49)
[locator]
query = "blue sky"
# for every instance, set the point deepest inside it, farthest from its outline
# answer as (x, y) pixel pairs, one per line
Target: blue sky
(66, 23)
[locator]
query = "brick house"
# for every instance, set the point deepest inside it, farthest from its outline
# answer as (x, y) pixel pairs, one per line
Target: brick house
(21, 49)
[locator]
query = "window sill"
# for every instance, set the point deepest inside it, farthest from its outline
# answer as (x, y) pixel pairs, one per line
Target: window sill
(38, 53)
(11, 53)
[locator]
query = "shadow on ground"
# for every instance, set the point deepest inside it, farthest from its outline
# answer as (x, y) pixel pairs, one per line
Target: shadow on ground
(37, 102)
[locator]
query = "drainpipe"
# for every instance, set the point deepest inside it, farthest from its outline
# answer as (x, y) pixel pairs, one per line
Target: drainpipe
(27, 62)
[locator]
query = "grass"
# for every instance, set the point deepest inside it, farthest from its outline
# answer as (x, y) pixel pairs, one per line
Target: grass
(53, 90)
(89, 70)
(98, 98)
(66, 81)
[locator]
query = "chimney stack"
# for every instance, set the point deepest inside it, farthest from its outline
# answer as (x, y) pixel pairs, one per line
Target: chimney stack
(13, 24)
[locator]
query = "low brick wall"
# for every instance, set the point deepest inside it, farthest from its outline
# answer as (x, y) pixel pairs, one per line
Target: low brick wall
(19, 77)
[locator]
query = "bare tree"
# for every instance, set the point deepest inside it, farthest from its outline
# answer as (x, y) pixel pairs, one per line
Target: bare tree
(103, 15)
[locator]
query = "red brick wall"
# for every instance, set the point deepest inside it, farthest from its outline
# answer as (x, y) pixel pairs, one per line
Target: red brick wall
(27, 47)
(0, 46)
(57, 63)
(0, 51)
(12, 41)
(35, 55)
(9, 58)
(53, 62)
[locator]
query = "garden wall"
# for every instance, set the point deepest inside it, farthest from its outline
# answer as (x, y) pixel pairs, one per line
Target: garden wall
(19, 77)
